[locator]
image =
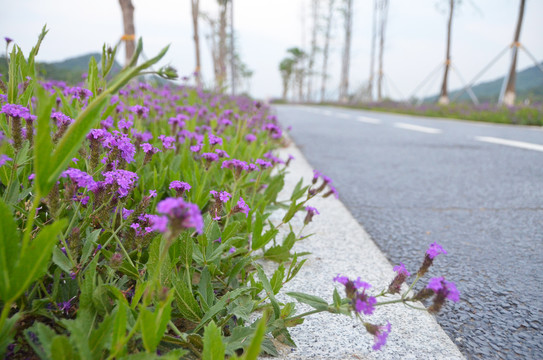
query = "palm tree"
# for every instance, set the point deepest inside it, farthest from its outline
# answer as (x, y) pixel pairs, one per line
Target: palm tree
(326, 47)
(286, 67)
(195, 16)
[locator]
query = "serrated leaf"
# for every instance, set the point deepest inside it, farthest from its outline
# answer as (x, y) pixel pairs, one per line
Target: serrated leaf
(61, 349)
(153, 324)
(7, 333)
(118, 333)
(61, 260)
(213, 343)
(254, 348)
(276, 281)
(220, 305)
(186, 304)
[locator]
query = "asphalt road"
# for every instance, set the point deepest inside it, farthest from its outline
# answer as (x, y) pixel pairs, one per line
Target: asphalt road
(476, 189)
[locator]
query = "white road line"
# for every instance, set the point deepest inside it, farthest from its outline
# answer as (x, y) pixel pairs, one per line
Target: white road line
(519, 144)
(368, 120)
(328, 113)
(423, 129)
(343, 115)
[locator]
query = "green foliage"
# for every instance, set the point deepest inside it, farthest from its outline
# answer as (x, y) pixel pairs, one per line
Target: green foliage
(82, 258)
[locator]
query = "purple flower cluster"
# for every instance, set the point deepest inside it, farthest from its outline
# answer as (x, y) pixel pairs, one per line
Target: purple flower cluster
(446, 288)
(78, 177)
(180, 187)
(361, 302)
(380, 334)
(179, 215)
(242, 207)
(125, 180)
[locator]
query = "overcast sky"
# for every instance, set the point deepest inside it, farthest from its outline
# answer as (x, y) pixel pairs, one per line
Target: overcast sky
(415, 38)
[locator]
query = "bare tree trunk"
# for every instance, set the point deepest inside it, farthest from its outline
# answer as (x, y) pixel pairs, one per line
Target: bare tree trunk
(232, 52)
(509, 98)
(444, 96)
(348, 22)
(315, 13)
(372, 59)
(326, 48)
(195, 17)
(129, 36)
(301, 62)
(221, 77)
(382, 27)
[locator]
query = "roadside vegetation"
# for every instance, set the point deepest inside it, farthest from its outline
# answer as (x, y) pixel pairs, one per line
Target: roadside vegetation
(135, 222)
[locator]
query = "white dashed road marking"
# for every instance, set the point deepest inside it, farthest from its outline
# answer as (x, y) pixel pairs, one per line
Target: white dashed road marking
(368, 120)
(343, 116)
(519, 144)
(412, 127)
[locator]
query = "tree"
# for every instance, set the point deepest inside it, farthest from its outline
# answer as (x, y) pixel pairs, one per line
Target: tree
(372, 53)
(222, 56)
(298, 56)
(286, 68)
(346, 58)
(444, 96)
(509, 97)
(383, 15)
(311, 62)
(195, 16)
(232, 49)
(129, 36)
(326, 47)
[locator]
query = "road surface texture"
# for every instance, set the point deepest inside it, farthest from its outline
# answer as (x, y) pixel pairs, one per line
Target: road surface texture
(476, 189)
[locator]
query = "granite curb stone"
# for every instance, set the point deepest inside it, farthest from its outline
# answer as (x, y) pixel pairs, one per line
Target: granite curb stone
(341, 246)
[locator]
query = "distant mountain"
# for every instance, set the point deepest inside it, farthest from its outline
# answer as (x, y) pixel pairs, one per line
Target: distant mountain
(70, 70)
(529, 85)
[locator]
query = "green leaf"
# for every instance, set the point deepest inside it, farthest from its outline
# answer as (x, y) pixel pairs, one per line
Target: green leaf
(100, 338)
(276, 281)
(61, 260)
(220, 305)
(61, 349)
(79, 335)
(230, 230)
(7, 332)
(9, 250)
(213, 343)
(267, 287)
(45, 336)
(92, 76)
(185, 244)
(257, 229)
(254, 348)
(153, 324)
(292, 210)
(298, 191)
(35, 260)
(186, 304)
(43, 146)
(311, 300)
(118, 333)
(337, 299)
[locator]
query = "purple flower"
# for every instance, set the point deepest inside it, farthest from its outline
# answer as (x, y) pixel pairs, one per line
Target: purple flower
(400, 269)
(223, 196)
(274, 130)
(214, 140)
(434, 250)
(446, 288)
(167, 141)
(3, 159)
(181, 214)
(196, 148)
(380, 334)
(232, 250)
(148, 148)
(222, 153)
(250, 138)
(15, 111)
(124, 179)
(140, 111)
(8, 40)
(127, 213)
(180, 186)
(341, 279)
(61, 119)
(78, 177)
(125, 124)
(365, 304)
(264, 164)
(359, 284)
(210, 157)
(152, 193)
(159, 223)
(311, 211)
(78, 93)
(241, 206)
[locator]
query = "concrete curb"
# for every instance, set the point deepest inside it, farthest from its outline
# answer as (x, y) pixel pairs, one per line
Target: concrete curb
(341, 246)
